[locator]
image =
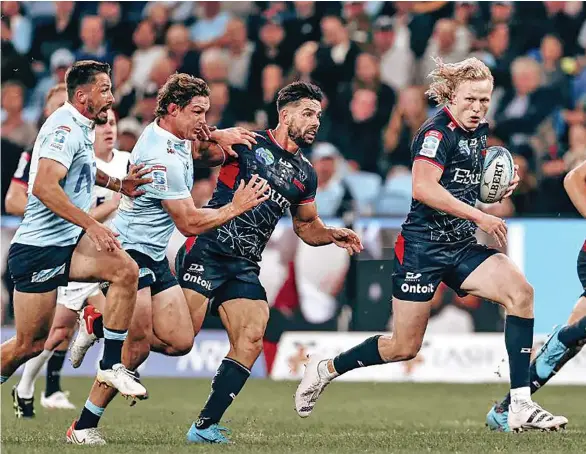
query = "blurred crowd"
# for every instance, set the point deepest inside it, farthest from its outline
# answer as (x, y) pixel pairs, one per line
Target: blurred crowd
(370, 58)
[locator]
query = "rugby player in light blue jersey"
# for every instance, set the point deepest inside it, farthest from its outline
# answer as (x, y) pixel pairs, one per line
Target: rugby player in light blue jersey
(162, 318)
(58, 241)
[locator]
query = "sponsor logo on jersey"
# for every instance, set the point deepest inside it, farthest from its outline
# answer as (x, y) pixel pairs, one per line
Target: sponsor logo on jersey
(170, 149)
(413, 277)
(279, 199)
(159, 175)
(264, 156)
(195, 268)
(431, 142)
(284, 163)
(465, 176)
(188, 277)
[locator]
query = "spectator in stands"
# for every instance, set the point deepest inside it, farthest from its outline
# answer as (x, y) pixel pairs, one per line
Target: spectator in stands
(20, 25)
(358, 136)
(305, 24)
(129, 130)
(501, 12)
(442, 44)
(14, 65)
(408, 116)
(124, 92)
(549, 55)
(93, 44)
(62, 31)
(240, 52)
(336, 57)
(396, 58)
(158, 15)
(333, 198)
(61, 60)
(496, 55)
(564, 19)
(358, 23)
(116, 28)
(367, 75)
(521, 110)
(221, 113)
(210, 28)
(395, 196)
(146, 55)
(144, 109)
(14, 127)
(524, 198)
(470, 25)
(304, 63)
(272, 81)
(185, 59)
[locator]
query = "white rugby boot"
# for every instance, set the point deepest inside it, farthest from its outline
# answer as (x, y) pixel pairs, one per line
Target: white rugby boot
(528, 415)
(84, 338)
(125, 381)
(315, 379)
(89, 436)
(57, 401)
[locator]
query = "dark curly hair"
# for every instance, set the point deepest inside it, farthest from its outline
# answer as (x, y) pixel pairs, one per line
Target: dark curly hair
(84, 72)
(297, 91)
(179, 89)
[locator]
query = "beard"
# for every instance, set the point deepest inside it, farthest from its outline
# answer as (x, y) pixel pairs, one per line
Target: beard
(298, 136)
(96, 112)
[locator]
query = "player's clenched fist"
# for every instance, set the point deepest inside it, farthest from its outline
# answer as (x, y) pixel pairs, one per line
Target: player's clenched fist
(347, 239)
(252, 194)
(103, 237)
(494, 226)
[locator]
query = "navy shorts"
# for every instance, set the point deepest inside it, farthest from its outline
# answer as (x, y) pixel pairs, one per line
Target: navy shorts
(153, 274)
(39, 269)
(420, 266)
(219, 278)
(582, 268)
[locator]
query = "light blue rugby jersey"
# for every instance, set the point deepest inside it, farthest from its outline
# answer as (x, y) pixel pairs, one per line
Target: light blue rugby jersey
(68, 138)
(143, 223)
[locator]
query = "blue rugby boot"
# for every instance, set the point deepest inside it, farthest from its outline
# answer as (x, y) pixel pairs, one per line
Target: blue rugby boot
(550, 355)
(498, 418)
(210, 435)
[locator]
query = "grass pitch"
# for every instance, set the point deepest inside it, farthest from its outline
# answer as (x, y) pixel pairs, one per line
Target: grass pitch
(349, 418)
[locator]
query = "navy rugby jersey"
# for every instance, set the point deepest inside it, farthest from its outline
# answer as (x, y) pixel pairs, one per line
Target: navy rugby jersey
(293, 182)
(460, 156)
(22, 172)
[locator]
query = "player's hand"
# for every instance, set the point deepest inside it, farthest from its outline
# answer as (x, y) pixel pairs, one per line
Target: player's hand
(229, 137)
(495, 227)
(514, 183)
(252, 194)
(134, 179)
(103, 237)
(347, 239)
(206, 133)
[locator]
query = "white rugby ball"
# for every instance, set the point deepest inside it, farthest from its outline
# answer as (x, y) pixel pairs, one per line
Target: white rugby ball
(498, 171)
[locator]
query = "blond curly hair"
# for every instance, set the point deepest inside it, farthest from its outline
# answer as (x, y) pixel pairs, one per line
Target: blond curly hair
(446, 77)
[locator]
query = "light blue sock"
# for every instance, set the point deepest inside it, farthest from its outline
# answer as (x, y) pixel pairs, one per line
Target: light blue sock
(3, 379)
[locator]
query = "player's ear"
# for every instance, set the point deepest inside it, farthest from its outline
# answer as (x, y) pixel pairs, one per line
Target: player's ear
(81, 96)
(172, 109)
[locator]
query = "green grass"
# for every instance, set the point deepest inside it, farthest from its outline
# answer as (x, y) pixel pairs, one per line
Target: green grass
(349, 418)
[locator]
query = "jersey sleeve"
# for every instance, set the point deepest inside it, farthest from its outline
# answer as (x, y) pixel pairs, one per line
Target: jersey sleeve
(168, 182)
(21, 175)
(60, 145)
(432, 146)
(308, 195)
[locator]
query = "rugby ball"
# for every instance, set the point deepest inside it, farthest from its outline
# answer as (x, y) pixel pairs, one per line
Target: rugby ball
(498, 170)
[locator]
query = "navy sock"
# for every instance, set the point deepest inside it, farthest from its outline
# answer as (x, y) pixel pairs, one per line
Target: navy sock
(362, 355)
(90, 416)
(572, 334)
(98, 327)
(54, 366)
(227, 383)
(113, 340)
(519, 340)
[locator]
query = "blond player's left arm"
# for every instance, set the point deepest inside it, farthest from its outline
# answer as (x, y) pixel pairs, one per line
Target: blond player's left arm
(575, 185)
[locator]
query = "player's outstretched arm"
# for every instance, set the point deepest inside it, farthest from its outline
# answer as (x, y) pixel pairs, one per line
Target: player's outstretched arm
(311, 229)
(48, 190)
(215, 145)
(16, 198)
(102, 211)
(193, 221)
(129, 184)
(575, 185)
(428, 190)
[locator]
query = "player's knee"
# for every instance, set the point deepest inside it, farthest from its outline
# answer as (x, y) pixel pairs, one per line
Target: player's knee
(28, 346)
(249, 342)
(57, 336)
(521, 298)
(127, 272)
(396, 349)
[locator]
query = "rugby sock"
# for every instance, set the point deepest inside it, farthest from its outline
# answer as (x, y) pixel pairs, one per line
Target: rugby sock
(26, 385)
(54, 366)
(113, 340)
(227, 383)
(90, 416)
(519, 340)
(572, 334)
(3, 379)
(362, 355)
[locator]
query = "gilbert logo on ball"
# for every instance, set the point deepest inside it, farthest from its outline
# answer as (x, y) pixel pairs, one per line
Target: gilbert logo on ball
(498, 171)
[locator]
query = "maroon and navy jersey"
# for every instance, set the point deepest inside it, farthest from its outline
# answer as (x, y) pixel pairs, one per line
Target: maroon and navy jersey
(22, 172)
(292, 180)
(459, 154)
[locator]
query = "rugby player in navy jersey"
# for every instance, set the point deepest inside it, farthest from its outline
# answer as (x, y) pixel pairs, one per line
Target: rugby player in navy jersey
(565, 341)
(220, 268)
(437, 244)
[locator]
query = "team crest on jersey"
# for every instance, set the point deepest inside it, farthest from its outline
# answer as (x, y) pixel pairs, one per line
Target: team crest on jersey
(463, 147)
(265, 156)
(159, 175)
(59, 137)
(431, 142)
(170, 149)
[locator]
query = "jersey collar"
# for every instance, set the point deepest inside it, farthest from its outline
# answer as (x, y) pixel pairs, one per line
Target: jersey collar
(272, 139)
(164, 133)
(78, 116)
